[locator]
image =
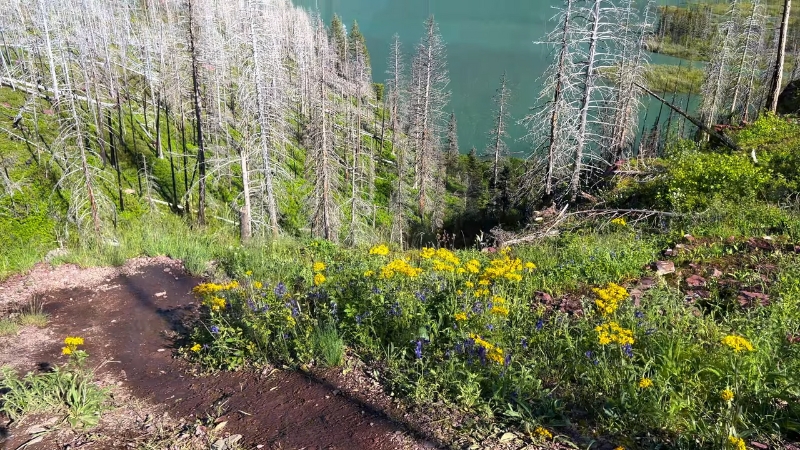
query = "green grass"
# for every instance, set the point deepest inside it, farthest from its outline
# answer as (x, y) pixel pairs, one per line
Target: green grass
(669, 78)
(423, 331)
(329, 346)
(8, 327)
(67, 391)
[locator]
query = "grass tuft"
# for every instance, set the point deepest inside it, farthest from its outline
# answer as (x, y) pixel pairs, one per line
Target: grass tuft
(8, 327)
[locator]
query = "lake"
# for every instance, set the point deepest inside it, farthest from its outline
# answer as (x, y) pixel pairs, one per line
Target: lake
(484, 38)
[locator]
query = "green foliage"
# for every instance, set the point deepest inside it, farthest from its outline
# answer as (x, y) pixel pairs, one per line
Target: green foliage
(669, 78)
(464, 328)
(696, 178)
(329, 346)
(66, 390)
(8, 327)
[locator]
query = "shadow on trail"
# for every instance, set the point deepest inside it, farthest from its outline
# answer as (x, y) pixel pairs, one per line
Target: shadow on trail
(137, 321)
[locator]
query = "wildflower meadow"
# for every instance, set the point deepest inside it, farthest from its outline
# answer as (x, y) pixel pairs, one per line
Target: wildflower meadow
(481, 331)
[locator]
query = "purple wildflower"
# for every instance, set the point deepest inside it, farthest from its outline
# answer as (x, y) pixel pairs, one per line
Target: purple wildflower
(215, 330)
(280, 290)
(539, 324)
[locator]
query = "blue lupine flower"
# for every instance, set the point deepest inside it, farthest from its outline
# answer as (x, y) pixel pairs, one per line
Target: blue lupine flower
(482, 354)
(628, 349)
(524, 343)
(638, 314)
(539, 324)
(395, 309)
(507, 360)
(418, 349)
(280, 290)
(589, 354)
(214, 330)
(490, 327)
(375, 290)
(420, 296)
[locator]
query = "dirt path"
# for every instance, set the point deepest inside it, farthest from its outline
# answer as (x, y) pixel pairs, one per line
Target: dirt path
(132, 320)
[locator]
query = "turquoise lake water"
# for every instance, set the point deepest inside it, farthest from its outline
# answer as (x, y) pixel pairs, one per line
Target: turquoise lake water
(483, 37)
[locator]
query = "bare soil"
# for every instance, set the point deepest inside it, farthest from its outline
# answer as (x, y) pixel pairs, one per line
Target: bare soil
(130, 319)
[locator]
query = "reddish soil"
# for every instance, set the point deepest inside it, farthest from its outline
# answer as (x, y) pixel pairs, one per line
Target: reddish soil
(133, 323)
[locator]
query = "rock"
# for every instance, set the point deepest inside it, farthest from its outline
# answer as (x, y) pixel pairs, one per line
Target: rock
(664, 267)
(789, 100)
(695, 281)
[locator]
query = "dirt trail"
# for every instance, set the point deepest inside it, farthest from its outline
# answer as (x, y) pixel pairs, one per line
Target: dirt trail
(132, 320)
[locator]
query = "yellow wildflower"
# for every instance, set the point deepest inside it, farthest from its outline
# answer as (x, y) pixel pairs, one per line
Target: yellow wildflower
(461, 270)
(469, 284)
(248, 273)
(66, 351)
(473, 266)
(736, 443)
(737, 343)
(612, 332)
(380, 250)
(484, 282)
(609, 298)
(645, 383)
(726, 395)
(216, 303)
(319, 266)
(459, 292)
(427, 253)
(543, 433)
(499, 310)
(196, 347)
(319, 279)
(619, 447)
(461, 316)
(258, 284)
(530, 265)
(493, 352)
(290, 320)
(369, 273)
(619, 221)
(73, 341)
(399, 266)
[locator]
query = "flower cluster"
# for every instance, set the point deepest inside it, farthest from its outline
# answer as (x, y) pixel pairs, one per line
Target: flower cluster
(493, 352)
(71, 345)
(737, 343)
(645, 383)
(204, 289)
(399, 266)
(619, 221)
(736, 443)
(461, 316)
(612, 332)
(609, 298)
(318, 268)
(215, 303)
(380, 250)
(504, 268)
(542, 433)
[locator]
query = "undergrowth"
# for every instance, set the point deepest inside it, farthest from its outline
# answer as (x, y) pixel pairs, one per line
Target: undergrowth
(68, 390)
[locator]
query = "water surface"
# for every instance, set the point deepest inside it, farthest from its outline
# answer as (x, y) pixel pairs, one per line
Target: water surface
(483, 37)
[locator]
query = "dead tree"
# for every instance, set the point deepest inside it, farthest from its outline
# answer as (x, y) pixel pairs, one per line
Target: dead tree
(777, 74)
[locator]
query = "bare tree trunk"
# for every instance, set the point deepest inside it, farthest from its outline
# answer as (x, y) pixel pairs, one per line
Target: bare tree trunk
(201, 153)
(589, 75)
(777, 75)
